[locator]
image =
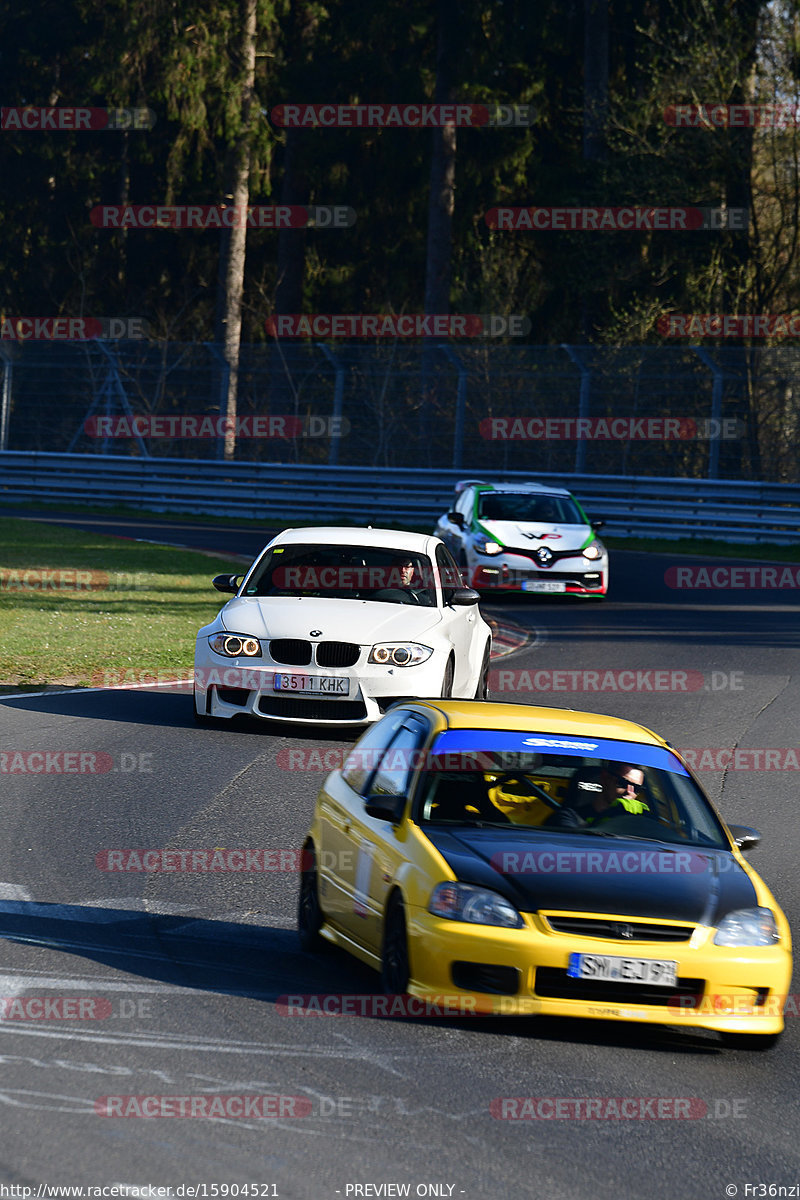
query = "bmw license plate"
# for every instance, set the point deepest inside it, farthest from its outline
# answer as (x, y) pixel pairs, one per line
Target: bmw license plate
(660, 972)
(319, 685)
(543, 585)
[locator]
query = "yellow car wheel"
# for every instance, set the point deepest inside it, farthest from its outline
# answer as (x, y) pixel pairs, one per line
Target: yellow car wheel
(309, 912)
(395, 967)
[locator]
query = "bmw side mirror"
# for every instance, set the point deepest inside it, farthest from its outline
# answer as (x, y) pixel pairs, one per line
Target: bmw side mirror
(457, 518)
(745, 837)
(463, 596)
(227, 583)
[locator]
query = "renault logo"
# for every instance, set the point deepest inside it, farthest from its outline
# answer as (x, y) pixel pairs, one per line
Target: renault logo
(625, 931)
(544, 556)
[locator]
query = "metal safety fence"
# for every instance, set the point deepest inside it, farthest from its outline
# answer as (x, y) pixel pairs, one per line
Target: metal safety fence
(667, 411)
(282, 493)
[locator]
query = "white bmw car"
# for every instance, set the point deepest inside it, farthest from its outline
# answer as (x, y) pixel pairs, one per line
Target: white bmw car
(333, 625)
(524, 537)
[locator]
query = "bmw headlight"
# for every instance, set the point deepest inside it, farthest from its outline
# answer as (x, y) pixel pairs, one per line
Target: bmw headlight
(594, 550)
(748, 927)
(235, 645)
(475, 905)
(399, 654)
(485, 545)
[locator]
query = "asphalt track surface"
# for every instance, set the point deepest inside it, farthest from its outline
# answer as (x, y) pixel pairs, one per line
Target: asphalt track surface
(191, 967)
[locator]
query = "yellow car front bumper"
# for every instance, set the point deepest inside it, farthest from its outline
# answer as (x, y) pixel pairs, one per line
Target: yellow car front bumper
(733, 989)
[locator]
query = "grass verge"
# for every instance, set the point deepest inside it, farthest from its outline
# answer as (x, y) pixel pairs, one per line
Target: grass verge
(76, 606)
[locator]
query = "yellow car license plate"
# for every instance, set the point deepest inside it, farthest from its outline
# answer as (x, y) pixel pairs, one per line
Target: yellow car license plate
(660, 972)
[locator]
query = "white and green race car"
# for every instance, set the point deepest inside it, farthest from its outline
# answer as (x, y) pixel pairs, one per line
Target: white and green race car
(524, 537)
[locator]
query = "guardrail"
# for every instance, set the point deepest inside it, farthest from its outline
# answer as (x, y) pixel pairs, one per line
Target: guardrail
(731, 510)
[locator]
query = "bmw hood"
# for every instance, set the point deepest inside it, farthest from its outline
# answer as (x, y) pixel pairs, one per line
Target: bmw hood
(591, 874)
(524, 535)
(360, 621)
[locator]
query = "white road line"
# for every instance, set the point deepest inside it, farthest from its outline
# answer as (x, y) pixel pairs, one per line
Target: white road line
(13, 891)
(87, 691)
(14, 984)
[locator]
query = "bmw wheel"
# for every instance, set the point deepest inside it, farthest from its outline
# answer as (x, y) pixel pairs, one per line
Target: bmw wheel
(482, 690)
(447, 682)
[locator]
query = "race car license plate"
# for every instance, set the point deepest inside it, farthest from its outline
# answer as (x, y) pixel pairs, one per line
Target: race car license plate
(320, 685)
(660, 972)
(543, 585)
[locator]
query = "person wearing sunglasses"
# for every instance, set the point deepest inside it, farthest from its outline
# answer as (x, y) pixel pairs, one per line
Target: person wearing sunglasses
(622, 787)
(610, 790)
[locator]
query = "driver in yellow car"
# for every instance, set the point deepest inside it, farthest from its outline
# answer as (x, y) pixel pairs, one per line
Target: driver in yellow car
(618, 785)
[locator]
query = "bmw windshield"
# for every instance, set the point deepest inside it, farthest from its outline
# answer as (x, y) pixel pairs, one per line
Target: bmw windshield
(345, 573)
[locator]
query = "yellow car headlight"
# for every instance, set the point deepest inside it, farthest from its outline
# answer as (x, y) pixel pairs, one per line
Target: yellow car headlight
(747, 927)
(475, 905)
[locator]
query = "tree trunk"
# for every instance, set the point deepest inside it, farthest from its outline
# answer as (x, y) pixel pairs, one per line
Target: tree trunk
(595, 78)
(441, 203)
(234, 239)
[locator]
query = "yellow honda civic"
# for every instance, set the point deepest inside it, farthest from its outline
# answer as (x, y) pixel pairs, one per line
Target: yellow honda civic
(505, 858)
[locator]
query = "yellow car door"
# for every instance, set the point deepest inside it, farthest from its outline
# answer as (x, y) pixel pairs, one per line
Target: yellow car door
(338, 806)
(379, 844)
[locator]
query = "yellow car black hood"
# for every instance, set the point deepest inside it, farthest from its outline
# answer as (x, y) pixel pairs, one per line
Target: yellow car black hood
(593, 874)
